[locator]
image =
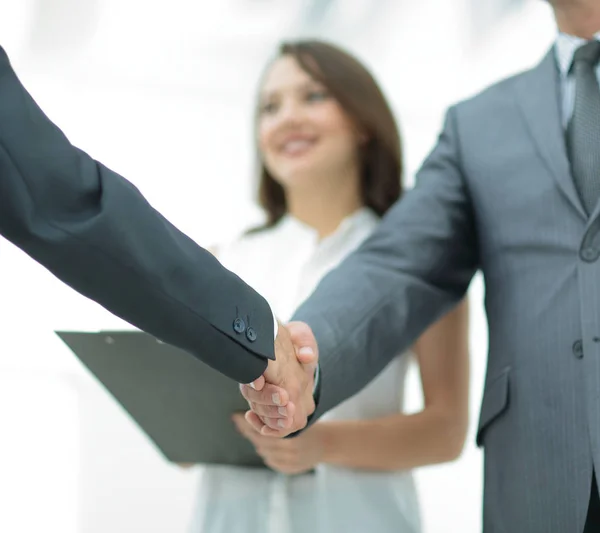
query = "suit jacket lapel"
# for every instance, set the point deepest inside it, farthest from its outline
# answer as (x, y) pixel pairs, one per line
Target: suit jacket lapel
(538, 96)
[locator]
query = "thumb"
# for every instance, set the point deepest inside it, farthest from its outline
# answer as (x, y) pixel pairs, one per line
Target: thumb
(258, 383)
(305, 343)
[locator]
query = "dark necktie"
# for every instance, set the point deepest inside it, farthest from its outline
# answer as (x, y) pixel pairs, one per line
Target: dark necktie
(583, 132)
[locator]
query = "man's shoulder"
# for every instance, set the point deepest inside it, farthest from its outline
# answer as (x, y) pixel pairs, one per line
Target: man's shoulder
(494, 96)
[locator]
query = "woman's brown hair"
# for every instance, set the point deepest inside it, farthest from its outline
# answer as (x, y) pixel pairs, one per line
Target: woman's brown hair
(354, 88)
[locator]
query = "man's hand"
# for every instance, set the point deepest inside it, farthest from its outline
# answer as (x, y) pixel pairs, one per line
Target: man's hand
(288, 456)
(285, 402)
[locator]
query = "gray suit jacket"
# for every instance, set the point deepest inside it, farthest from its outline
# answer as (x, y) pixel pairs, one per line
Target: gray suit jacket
(496, 194)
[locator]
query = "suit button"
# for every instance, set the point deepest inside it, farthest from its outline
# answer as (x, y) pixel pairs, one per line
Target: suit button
(589, 254)
(251, 334)
(239, 326)
(578, 349)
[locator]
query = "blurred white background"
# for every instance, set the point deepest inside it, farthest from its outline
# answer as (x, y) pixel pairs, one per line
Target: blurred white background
(163, 92)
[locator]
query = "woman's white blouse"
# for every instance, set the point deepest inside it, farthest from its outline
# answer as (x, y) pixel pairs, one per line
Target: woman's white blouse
(284, 264)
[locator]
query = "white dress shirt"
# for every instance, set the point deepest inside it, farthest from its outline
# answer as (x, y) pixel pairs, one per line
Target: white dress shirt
(285, 264)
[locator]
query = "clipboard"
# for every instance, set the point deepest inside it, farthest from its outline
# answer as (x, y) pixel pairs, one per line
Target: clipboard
(183, 405)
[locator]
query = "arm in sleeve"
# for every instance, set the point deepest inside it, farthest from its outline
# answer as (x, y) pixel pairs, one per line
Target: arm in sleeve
(94, 230)
(415, 267)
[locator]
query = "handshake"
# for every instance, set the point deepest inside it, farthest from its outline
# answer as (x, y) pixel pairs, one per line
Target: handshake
(281, 400)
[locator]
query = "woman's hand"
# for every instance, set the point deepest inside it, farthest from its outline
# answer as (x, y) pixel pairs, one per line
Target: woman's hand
(288, 456)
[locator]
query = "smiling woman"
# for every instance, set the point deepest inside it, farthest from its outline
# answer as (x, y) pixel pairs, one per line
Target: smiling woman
(330, 167)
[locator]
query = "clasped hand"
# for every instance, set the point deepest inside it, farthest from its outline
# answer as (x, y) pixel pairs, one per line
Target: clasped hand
(282, 399)
(288, 456)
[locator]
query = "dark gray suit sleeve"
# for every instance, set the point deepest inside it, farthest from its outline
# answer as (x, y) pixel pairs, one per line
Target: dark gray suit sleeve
(415, 267)
(95, 231)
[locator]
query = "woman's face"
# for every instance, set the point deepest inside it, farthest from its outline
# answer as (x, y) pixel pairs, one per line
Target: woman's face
(303, 132)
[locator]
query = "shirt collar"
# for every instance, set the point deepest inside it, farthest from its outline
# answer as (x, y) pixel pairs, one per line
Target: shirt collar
(565, 48)
(356, 219)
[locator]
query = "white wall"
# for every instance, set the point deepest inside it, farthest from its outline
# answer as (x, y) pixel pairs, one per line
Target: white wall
(162, 95)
